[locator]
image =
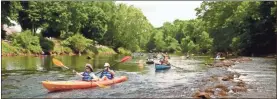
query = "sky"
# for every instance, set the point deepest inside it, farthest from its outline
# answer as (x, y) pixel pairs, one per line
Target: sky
(158, 12)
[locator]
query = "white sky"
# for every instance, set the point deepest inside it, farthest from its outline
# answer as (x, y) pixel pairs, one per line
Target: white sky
(158, 12)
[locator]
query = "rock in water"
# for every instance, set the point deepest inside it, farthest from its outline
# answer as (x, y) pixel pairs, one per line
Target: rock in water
(88, 57)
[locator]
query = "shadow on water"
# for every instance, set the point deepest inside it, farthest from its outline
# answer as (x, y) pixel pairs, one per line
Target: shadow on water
(162, 71)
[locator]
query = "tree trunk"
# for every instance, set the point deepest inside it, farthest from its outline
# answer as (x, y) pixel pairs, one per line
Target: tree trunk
(79, 53)
(33, 29)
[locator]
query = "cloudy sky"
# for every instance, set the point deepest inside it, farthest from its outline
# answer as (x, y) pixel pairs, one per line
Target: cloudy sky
(158, 12)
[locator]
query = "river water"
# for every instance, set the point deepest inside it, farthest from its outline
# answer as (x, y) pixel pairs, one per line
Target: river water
(22, 76)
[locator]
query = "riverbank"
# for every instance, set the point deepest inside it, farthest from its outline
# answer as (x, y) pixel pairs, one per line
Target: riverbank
(9, 50)
(238, 78)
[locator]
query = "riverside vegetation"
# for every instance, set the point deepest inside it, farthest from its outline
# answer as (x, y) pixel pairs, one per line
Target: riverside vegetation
(243, 28)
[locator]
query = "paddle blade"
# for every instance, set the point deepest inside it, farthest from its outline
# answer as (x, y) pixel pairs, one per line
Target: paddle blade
(101, 85)
(126, 58)
(57, 62)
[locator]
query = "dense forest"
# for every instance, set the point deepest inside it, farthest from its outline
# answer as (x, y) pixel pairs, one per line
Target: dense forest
(243, 28)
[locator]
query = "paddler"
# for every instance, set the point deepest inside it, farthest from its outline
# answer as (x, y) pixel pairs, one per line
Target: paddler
(165, 59)
(88, 74)
(217, 55)
(107, 73)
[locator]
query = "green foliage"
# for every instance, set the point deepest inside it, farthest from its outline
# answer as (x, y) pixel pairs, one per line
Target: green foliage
(46, 45)
(59, 49)
(172, 45)
(159, 41)
(27, 41)
(123, 51)
(185, 36)
(236, 44)
(8, 49)
(127, 28)
(246, 27)
(105, 49)
(77, 42)
(10, 9)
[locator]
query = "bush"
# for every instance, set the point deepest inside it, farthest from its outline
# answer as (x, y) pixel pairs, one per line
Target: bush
(8, 49)
(66, 49)
(27, 41)
(105, 49)
(77, 42)
(46, 45)
(124, 51)
(91, 50)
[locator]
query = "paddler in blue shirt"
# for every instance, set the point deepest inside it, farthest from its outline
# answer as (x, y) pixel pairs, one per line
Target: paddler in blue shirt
(107, 73)
(88, 74)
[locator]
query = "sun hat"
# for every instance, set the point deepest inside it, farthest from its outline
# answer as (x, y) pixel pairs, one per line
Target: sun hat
(89, 66)
(106, 64)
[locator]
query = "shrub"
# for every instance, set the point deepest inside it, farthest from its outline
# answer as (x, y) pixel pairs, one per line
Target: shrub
(46, 45)
(27, 41)
(77, 42)
(124, 51)
(105, 49)
(8, 49)
(66, 49)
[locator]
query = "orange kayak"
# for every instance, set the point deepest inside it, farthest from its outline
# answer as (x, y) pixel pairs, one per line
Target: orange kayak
(69, 85)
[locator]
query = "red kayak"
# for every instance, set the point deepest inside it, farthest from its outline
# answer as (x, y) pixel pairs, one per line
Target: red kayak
(69, 85)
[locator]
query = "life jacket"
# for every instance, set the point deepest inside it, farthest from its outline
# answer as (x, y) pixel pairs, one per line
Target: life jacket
(107, 74)
(86, 76)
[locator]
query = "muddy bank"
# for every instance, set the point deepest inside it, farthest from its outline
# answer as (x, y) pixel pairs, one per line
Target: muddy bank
(238, 78)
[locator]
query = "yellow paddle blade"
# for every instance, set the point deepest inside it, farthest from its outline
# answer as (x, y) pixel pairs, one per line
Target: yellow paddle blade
(101, 85)
(58, 63)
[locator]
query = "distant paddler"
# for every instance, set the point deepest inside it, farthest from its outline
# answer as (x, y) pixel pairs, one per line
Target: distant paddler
(218, 56)
(140, 64)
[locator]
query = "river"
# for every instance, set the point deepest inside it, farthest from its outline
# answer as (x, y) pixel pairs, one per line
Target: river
(22, 76)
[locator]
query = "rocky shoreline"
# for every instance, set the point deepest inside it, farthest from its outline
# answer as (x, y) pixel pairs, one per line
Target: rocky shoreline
(219, 82)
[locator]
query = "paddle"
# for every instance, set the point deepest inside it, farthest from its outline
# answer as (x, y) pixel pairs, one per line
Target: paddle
(60, 64)
(124, 59)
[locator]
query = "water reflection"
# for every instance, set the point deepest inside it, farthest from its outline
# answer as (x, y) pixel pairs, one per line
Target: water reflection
(44, 63)
(26, 73)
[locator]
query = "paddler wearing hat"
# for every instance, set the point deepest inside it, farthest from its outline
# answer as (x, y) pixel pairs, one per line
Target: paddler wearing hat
(88, 74)
(107, 73)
